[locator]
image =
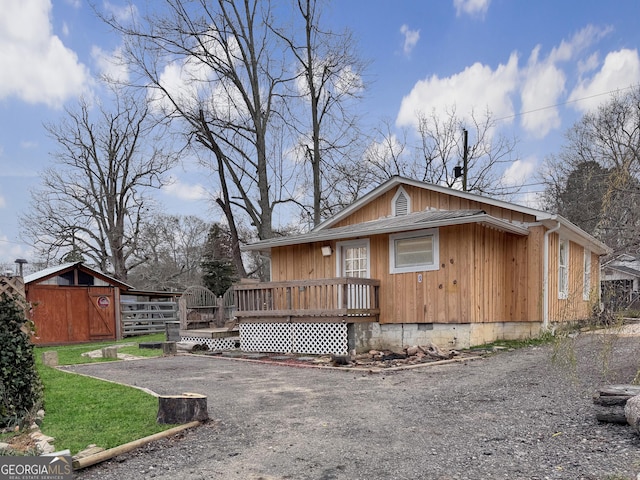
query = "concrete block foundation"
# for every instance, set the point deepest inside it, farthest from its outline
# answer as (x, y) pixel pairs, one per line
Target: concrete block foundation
(375, 336)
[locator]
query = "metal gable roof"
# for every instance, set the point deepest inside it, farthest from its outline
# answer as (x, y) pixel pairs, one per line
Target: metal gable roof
(628, 270)
(58, 269)
(550, 220)
(413, 221)
(396, 181)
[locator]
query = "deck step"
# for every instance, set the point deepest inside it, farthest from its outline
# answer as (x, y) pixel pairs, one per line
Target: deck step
(210, 333)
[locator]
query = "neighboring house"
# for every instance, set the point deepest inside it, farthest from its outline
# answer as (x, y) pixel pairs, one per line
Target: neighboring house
(620, 281)
(412, 263)
(74, 303)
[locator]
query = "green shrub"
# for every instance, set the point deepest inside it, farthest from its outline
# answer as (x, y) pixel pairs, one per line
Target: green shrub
(21, 388)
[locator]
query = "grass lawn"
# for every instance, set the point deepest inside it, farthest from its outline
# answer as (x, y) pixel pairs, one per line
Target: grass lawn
(81, 411)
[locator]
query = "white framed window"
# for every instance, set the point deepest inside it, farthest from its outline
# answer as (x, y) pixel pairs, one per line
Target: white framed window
(563, 269)
(414, 251)
(586, 278)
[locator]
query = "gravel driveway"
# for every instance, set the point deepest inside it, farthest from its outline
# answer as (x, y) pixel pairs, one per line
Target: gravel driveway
(512, 415)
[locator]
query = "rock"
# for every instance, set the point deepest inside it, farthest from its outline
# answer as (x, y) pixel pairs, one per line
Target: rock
(414, 350)
(340, 359)
(632, 412)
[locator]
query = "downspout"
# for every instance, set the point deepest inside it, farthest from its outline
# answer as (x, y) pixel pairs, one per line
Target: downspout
(545, 275)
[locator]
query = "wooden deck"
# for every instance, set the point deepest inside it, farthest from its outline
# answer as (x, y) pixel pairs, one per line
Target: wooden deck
(344, 299)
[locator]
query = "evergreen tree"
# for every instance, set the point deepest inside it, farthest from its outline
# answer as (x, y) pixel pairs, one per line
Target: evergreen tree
(218, 271)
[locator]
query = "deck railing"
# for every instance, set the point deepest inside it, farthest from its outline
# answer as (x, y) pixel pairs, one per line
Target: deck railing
(331, 299)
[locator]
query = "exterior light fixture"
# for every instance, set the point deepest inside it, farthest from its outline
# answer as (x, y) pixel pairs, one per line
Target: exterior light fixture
(326, 251)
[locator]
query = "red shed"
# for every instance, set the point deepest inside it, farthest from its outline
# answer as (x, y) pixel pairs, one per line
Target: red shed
(73, 303)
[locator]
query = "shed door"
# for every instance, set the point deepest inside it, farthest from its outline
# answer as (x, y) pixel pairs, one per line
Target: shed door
(353, 261)
(101, 313)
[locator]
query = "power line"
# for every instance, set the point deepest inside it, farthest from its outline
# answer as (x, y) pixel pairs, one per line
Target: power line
(535, 110)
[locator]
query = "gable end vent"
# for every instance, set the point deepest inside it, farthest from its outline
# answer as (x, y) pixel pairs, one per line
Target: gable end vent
(401, 204)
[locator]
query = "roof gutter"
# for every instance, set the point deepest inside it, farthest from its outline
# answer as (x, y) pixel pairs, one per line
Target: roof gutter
(545, 276)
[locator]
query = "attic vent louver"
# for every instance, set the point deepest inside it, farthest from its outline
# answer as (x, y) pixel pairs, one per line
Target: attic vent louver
(400, 203)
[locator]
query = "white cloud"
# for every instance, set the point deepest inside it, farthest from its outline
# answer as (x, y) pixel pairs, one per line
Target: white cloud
(543, 84)
(185, 191)
(3, 201)
(123, 13)
(463, 90)
(384, 152)
(471, 7)
(111, 65)
(411, 38)
(35, 66)
(544, 81)
(519, 171)
(620, 70)
(191, 83)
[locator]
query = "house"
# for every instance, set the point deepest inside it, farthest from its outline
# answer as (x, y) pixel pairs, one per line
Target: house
(620, 281)
(412, 263)
(74, 303)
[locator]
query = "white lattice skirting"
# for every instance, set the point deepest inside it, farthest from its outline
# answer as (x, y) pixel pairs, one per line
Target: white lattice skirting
(226, 343)
(310, 338)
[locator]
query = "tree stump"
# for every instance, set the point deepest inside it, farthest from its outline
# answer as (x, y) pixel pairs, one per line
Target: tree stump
(50, 358)
(185, 408)
(110, 352)
(169, 348)
(610, 402)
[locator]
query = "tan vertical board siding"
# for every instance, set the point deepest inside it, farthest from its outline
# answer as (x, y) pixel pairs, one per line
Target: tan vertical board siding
(422, 199)
(442, 296)
(301, 262)
(534, 255)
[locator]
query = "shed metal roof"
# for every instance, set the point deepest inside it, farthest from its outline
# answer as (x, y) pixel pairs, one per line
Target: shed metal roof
(58, 269)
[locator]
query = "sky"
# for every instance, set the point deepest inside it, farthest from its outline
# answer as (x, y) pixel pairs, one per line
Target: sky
(536, 66)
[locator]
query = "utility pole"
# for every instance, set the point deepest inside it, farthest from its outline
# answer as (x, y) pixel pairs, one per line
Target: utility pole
(465, 159)
(462, 171)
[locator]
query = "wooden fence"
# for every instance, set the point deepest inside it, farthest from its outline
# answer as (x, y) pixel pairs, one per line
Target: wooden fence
(141, 318)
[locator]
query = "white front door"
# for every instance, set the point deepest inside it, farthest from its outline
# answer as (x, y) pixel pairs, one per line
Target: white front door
(353, 261)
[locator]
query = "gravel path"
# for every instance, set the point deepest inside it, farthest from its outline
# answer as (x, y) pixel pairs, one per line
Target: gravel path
(512, 415)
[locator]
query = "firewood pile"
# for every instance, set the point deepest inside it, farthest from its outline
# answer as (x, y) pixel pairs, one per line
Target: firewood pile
(618, 404)
(387, 358)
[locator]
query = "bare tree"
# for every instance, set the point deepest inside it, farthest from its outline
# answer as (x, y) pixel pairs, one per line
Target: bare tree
(441, 148)
(329, 80)
(232, 70)
(93, 200)
(173, 246)
(605, 142)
